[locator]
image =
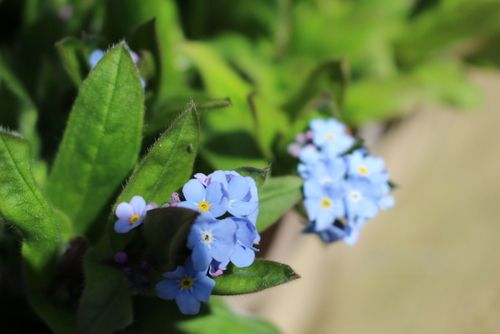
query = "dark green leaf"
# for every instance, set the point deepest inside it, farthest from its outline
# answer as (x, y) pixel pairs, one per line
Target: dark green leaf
(106, 304)
(262, 274)
(165, 231)
(154, 315)
(102, 139)
(71, 53)
(276, 197)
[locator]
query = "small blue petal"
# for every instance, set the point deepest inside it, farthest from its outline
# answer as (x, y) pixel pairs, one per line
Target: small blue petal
(187, 303)
(167, 289)
(194, 191)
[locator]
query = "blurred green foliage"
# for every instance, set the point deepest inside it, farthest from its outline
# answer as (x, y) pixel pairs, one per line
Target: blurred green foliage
(256, 71)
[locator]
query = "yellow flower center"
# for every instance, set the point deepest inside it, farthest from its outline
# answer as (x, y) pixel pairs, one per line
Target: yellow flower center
(134, 218)
(329, 137)
(363, 170)
(204, 206)
(326, 203)
(186, 282)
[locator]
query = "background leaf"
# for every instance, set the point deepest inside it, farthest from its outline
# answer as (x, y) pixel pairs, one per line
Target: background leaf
(106, 304)
(262, 274)
(101, 141)
(276, 197)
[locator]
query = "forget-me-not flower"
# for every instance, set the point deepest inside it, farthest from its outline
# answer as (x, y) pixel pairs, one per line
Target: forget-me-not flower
(208, 201)
(211, 239)
(187, 286)
(130, 215)
(331, 136)
(372, 168)
(361, 198)
(323, 204)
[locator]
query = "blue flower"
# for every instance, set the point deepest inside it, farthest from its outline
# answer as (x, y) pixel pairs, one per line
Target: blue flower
(325, 172)
(330, 234)
(372, 168)
(323, 204)
(95, 57)
(187, 286)
(211, 239)
(361, 198)
(208, 201)
(243, 254)
(331, 136)
(240, 192)
(130, 215)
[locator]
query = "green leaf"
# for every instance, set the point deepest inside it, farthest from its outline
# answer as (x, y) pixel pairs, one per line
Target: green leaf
(22, 110)
(259, 175)
(169, 163)
(327, 83)
(262, 274)
(276, 197)
(165, 231)
(154, 315)
(71, 53)
(102, 140)
(164, 112)
(22, 202)
(106, 303)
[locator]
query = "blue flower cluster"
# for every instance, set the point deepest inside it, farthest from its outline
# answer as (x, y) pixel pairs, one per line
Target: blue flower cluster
(342, 189)
(224, 232)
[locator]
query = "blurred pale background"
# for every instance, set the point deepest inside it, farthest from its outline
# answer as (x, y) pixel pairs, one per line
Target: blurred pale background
(431, 264)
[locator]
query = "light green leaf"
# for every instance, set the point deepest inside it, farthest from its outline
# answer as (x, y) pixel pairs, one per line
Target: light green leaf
(262, 274)
(106, 303)
(168, 164)
(276, 197)
(101, 141)
(22, 202)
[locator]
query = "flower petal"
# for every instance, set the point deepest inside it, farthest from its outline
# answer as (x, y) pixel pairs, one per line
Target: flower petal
(238, 187)
(241, 209)
(124, 211)
(123, 226)
(187, 303)
(139, 204)
(167, 289)
(242, 256)
(200, 257)
(193, 191)
(203, 287)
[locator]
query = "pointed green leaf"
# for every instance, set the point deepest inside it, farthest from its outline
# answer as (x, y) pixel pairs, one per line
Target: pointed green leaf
(165, 231)
(71, 53)
(106, 303)
(169, 163)
(276, 197)
(22, 202)
(101, 141)
(262, 274)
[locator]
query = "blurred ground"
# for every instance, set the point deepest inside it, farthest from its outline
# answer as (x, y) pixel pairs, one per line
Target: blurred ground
(430, 265)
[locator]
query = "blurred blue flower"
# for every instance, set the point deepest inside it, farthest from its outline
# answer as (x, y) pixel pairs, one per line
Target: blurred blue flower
(130, 215)
(208, 201)
(211, 239)
(187, 286)
(323, 204)
(331, 136)
(327, 172)
(361, 198)
(372, 168)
